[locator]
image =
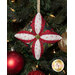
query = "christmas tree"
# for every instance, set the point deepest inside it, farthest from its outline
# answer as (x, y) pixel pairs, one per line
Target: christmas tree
(19, 17)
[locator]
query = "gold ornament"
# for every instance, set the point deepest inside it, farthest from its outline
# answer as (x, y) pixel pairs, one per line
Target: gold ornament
(64, 71)
(63, 43)
(49, 74)
(12, 1)
(36, 66)
(58, 65)
(12, 9)
(51, 15)
(14, 20)
(7, 41)
(54, 51)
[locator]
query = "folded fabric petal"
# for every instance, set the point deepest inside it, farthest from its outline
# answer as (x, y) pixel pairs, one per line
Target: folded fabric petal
(50, 37)
(38, 24)
(25, 36)
(37, 49)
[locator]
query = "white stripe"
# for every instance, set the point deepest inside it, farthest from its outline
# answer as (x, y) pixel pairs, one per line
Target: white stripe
(37, 49)
(51, 37)
(24, 36)
(38, 22)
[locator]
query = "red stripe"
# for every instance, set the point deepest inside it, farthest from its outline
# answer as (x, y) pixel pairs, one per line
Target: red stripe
(42, 48)
(33, 45)
(43, 24)
(32, 25)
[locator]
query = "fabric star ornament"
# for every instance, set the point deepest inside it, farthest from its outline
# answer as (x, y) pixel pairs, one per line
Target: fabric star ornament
(37, 36)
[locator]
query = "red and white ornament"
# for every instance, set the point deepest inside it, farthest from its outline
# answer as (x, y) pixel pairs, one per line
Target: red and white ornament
(37, 36)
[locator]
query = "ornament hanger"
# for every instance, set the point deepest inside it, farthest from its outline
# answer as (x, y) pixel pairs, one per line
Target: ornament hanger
(12, 48)
(38, 36)
(38, 6)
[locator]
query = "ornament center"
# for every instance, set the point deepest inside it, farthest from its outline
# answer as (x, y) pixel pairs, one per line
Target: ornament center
(37, 36)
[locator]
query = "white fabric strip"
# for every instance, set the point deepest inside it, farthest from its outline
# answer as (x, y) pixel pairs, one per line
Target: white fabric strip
(38, 22)
(51, 37)
(37, 49)
(24, 36)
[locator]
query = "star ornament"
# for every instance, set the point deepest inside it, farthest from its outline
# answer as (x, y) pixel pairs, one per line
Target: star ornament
(37, 36)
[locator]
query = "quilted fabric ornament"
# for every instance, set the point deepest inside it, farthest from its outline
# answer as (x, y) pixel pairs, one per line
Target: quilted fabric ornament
(37, 36)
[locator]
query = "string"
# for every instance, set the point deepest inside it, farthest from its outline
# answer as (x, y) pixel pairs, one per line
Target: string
(38, 6)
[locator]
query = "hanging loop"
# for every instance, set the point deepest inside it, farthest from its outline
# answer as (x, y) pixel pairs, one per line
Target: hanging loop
(38, 6)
